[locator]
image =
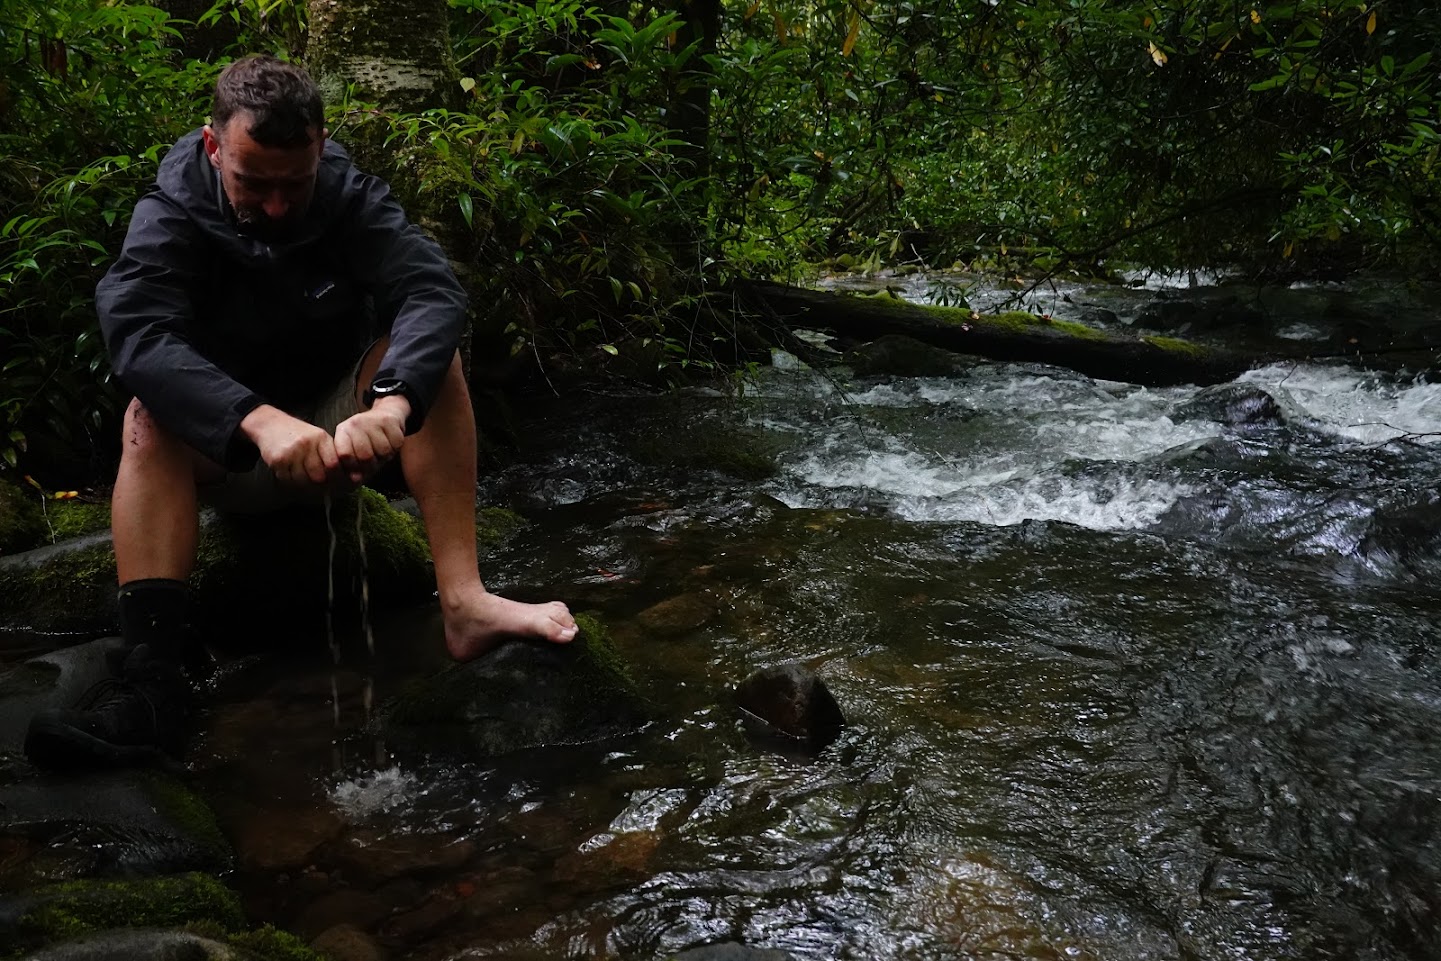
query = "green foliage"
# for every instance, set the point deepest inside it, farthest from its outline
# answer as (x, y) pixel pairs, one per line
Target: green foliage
(604, 169)
(569, 184)
(92, 95)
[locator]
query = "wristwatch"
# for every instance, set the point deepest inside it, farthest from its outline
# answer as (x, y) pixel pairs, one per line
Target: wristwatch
(395, 387)
(388, 387)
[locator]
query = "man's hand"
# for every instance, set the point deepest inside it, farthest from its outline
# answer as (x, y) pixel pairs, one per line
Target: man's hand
(366, 441)
(299, 453)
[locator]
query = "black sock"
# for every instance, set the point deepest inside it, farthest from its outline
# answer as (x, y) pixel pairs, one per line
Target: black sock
(156, 612)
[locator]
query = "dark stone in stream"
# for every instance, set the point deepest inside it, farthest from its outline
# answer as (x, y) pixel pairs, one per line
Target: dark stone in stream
(346, 942)
(1235, 405)
(103, 825)
(1405, 541)
(791, 704)
(522, 694)
(1202, 311)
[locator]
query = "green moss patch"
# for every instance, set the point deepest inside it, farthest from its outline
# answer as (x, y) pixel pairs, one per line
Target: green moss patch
(180, 806)
(64, 911)
(75, 518)
(22, 525)
(1175, 346)
(71, 590)
(495, 525)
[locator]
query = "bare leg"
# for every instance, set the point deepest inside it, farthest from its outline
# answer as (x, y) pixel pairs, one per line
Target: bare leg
(439, 467)
(154, 510)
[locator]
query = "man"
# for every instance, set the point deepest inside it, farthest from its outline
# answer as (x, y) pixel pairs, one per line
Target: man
(255, 273)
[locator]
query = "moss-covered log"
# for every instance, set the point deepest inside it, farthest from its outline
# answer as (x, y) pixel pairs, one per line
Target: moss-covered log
(1016, 336)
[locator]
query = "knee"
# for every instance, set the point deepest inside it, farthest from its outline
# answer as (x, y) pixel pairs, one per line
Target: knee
(142, 433)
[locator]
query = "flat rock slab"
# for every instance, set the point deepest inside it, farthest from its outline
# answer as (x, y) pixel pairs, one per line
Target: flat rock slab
(102, 825)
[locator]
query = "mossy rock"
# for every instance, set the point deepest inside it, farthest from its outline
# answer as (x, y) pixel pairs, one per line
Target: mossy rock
(63, 912)
(136, 823)
(254, 574)
(495, 525)
(197, 941)
(76, 518)
(522, 694)
(22, 524)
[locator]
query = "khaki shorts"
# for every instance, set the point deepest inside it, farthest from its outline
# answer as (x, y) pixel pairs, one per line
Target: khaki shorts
(258, 490)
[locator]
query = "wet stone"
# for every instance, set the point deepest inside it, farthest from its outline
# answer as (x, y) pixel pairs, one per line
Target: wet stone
(522, 694)
(346, 942)
(502, 895)
(790, 703)
(369, 859)
(103, 824)
(678, 615)
(348, 907)
(424, 920)
(1235, 405)
(129, 945)
(284, 839)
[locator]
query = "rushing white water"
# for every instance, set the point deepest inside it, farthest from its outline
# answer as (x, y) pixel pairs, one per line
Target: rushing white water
(1006, 443)
(362, 797)
(1353, 404)
(1019, 447)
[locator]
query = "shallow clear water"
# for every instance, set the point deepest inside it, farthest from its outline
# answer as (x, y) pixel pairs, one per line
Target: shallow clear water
(1122, 683)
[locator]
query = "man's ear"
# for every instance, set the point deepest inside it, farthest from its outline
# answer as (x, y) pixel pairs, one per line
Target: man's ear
(212, 145)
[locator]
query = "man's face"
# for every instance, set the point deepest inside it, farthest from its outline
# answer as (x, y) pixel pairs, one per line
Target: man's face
(269, 188)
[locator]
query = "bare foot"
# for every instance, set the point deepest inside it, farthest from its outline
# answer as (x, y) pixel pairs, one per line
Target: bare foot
(482, 620)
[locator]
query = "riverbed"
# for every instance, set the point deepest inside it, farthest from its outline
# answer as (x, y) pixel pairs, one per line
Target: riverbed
(1126, 678)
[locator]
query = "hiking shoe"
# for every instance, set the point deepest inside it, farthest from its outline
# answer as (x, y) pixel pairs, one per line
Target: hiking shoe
(137, 718)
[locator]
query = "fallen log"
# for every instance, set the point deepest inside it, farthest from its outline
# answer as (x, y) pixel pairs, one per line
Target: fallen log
(1014, 336)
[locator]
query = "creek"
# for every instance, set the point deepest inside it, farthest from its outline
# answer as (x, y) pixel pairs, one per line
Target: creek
(1124, 681)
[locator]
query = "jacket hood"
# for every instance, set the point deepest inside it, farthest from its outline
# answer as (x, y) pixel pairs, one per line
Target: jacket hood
(188, 180)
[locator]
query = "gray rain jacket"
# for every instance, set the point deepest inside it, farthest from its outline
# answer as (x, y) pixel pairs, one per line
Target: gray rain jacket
(204, 324)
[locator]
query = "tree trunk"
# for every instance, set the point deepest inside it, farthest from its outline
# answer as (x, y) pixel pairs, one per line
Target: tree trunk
(1151, 361)
(396, 55)
(691, 107)
(392, 53)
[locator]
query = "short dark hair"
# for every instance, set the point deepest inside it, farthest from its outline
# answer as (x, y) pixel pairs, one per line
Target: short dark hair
(282, 100)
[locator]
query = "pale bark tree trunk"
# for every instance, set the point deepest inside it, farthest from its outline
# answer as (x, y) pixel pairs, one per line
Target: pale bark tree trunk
(392, 53)
(396, 55)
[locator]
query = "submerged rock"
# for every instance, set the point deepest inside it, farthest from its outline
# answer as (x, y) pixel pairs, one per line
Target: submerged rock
(790, 703)
(1235, 405)
(1405, 541)
(1181, 311)
(522, 694)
